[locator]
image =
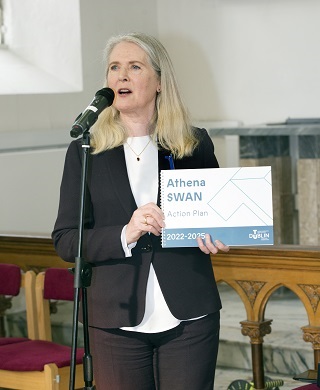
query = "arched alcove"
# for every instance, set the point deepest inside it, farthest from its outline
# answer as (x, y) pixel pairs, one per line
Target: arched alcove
(284, 349)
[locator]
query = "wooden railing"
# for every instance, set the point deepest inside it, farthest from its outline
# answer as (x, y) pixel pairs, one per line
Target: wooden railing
(254, 273)
(30, 253)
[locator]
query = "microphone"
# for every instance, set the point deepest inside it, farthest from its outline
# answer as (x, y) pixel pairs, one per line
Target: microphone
(103, 99)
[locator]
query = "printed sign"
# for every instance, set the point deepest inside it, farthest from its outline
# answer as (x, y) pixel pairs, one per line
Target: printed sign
(233, 205)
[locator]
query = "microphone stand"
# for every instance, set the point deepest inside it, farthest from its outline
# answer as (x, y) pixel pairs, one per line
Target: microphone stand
(82, 280)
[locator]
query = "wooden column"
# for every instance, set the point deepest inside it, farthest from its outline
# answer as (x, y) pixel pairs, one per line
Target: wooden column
(256, 331)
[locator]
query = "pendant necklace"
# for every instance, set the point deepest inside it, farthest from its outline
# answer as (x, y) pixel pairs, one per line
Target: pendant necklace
(139, 154)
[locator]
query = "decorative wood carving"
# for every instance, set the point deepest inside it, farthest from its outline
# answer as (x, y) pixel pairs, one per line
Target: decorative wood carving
(312, 291)
(256, 330)
(285, 265)
(312, 335)
(251, 289)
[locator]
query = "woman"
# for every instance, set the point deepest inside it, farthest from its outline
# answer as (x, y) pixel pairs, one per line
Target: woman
(153, 312)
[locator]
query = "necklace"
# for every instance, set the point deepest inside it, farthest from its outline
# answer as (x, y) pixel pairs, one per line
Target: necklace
(139, 154)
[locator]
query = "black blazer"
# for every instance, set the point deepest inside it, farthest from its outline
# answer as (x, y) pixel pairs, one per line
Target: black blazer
(116, 296)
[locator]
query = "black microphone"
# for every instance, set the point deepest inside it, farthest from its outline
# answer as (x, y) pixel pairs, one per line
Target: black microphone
(103, 99)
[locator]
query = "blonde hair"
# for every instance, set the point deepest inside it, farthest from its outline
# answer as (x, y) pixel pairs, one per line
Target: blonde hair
(170, 126)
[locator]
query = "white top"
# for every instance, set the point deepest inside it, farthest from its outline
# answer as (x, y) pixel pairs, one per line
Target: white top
(143, 177)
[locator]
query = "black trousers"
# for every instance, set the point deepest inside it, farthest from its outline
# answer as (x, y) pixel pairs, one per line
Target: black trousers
(182, 358)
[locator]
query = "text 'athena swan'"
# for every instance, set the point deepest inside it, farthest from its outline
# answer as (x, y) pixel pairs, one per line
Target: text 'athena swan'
(180, 196)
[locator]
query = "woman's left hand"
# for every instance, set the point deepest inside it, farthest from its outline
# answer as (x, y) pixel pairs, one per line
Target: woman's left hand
(207, 246)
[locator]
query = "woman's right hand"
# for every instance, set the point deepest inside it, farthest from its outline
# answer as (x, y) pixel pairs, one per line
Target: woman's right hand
(146, 219)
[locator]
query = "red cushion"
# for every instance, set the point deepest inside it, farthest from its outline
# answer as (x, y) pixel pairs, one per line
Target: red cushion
(32, 355)
(10, 279)
(58, 284)
(12, 340)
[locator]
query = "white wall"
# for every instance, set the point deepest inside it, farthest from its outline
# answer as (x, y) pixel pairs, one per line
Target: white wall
(30, 179)
(98, 20)
(252, 61)
(29, 191)
(44, 35)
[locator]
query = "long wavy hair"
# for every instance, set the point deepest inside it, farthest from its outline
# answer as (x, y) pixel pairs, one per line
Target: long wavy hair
(170, 126)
